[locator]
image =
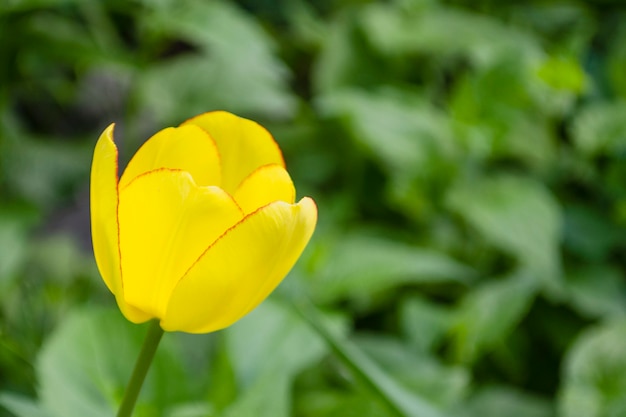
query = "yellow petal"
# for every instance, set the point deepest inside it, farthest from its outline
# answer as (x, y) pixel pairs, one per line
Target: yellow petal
(103, 202)
(241, 269)
(267, 184)
(104, 226)
(187, 148)
(166, 222)
(243, 145)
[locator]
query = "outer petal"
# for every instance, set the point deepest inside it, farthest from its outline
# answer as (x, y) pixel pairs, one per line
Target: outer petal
(166, 222)
(241, 268)
(104, 225)
(267, 184)
(243, 145)
(187, 148)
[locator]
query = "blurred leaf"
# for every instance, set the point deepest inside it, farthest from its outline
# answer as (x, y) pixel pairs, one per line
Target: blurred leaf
(60, 258)
(360, 267)
(400, 401)
(588, 232)
(441, 385)
(617, 60)
(594, 373)
(496, 401)
(25, 5)
(21, 406)
(403, 132)
(597, 291)
(481, 38)
(283, 343)
(267, 397)
(562, 74)
(502, 113)
(487, 315)
(567, 27)
(41, 171)
(222, 380)
(334, 403)
(236, 67)
(555, 84)
(191, 410)
(59, 37)
(14, 227)
(600, 129)
(306, 26)
(517, 215)
(424, 323)
(345, 60)
(83, 370)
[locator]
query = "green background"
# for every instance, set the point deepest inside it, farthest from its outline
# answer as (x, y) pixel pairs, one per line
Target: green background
(468, 159)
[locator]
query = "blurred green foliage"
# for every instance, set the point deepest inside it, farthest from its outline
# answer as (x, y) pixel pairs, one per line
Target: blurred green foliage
(468, 159)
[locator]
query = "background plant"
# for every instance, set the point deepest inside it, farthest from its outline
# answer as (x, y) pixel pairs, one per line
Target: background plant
(467, 159)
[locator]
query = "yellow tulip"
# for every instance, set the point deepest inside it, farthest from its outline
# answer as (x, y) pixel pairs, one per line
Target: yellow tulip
(202, 225)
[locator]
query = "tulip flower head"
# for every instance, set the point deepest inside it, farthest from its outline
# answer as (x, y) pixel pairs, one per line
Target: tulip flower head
(202, 225)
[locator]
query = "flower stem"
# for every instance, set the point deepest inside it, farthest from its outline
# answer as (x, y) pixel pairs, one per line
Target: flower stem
(150, 344)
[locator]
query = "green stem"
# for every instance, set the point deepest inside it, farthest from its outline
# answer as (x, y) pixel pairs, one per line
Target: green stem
(150, 344)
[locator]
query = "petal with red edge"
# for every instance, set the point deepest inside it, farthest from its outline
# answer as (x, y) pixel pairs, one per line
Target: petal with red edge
(243, 145)
(166, 222)
(187, 148)
(267, 184)
(104, 225)
(241, 269)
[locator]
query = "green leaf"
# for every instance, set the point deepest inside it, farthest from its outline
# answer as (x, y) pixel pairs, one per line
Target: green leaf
(617, 60)
(14, 226)
(58, 38)
(488, 314)
(399, 400)
(401, 130)
(86, 363)
(345, 59)
(199, 409)
(420, 373)
(494, 401)
(61, 257)
(501, 112)
(561, 73)
(594, 373)
(282, 341)
(588, 232)
(424, 323)
(236, 67)
(283, 345)
(269, 396)
(40, 171)
(483, 39)
(11, 6)
(335, 403)
(519, 216)
(360, 267)
(600, 129)
(597, 291)
(21, 406)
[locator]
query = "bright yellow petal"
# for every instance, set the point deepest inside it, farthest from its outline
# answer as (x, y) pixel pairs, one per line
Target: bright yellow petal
(131, 313)
(241, 269)
(166, 223)
(187, 148)
(103, 202)
(267, 184)
(104, 226)
(243, 145)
